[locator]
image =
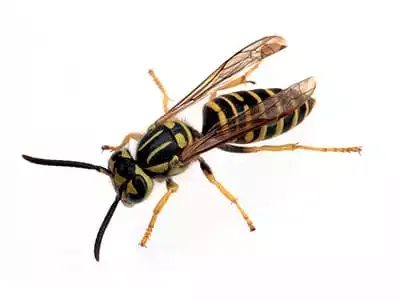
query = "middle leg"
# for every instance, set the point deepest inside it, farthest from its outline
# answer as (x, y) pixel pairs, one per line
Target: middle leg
(210, 176)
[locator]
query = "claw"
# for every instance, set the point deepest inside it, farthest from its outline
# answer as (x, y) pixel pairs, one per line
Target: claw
(143, 245)
(106, 147)
(359, 150)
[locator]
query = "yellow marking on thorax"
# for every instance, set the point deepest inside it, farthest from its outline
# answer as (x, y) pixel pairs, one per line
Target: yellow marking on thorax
(151, 127)
(177, 170)
(180, 139)
(188, 133)
(170, 124)
(237, 96)
(126, 154)
(150, 139)
(279, 127)
(175, 167)
(161, 168)
(158, 149)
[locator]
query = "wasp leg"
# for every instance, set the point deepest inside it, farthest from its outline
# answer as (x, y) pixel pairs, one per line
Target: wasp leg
(166, 98)
(235, 82)
(132, 135)
(210, 176)
(287, 147)
(172, 188)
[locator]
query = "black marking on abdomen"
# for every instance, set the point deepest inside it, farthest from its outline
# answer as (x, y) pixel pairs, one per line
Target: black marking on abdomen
(240, 100)
(226, 108)
(246, 98)
(287, 122)
(210, 118)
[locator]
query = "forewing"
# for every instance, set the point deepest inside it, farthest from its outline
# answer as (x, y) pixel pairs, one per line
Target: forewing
(265, 113)
(230, 69)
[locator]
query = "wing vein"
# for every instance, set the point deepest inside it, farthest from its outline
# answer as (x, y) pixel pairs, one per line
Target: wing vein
(236, 64)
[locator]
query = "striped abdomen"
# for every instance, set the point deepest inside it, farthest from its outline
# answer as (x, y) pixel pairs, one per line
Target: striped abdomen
(220, 109)
(161, 145)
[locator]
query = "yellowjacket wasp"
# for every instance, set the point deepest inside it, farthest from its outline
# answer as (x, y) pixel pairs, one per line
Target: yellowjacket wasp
(170, 145)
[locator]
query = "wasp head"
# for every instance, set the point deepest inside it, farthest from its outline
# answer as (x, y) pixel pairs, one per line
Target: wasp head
(126, 171)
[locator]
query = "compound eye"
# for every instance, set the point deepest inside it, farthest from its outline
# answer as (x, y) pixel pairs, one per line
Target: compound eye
(134, 199)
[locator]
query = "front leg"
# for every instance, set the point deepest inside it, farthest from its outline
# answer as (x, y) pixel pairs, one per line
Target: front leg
(166, 98)
(172, 188)
(133, 135)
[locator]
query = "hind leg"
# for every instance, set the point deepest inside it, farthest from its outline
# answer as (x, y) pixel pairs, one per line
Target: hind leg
(287, 147)
(235, 82)
(210, 176)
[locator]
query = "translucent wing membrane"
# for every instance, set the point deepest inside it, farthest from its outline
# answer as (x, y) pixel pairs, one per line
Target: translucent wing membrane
(265, 113)
(229, 70)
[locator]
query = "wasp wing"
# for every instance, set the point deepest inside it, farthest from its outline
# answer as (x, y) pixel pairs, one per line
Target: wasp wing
(267, 112)
(230, 69)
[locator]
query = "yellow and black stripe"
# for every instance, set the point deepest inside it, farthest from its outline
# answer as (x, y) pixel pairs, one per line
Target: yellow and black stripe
(224, 107)
(161, 145)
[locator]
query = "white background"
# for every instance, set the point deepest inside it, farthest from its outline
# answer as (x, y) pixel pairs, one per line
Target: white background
(73, 76)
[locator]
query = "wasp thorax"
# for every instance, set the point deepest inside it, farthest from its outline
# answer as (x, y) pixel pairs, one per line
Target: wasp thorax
(126, 172)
